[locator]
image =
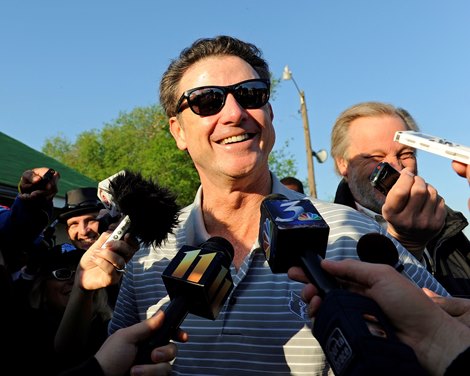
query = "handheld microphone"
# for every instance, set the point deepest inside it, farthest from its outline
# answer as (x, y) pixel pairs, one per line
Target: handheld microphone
(355, 335)
(150, 210)
(295, 225)
(198, 281)
(378, 249)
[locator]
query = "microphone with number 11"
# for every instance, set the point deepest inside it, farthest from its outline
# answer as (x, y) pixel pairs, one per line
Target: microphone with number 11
(198, 281)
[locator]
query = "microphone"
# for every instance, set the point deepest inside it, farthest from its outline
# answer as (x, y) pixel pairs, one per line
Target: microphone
(378, 249)
(150, 210)
(355, 335)
(292, 225)
(198, 281)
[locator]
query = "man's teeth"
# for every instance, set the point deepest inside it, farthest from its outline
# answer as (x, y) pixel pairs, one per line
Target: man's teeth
(230, 140)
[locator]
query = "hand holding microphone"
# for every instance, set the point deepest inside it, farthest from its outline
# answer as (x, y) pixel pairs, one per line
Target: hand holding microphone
(355, 335)
(198, 281)
(151, 209)
(292, 233)
(435, 336)
(149, 214)
(148, 211)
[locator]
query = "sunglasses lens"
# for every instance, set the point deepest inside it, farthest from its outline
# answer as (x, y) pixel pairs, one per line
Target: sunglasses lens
(250, 95)
(63, 274)
(206, 101)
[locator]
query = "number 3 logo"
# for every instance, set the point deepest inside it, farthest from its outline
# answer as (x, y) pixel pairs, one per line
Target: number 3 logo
(290, 207)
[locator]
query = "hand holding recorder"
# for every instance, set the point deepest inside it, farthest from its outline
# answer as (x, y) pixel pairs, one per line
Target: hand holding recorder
(413, 209)
(38, 183)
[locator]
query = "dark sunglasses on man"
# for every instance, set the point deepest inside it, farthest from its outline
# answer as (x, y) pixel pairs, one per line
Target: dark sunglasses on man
(209, 100)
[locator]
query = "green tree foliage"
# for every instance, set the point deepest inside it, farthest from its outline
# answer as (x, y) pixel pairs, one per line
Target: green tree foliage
(141, 141)
(281, 163)
(137, 141)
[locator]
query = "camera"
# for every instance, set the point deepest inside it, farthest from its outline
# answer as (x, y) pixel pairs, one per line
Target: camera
(383, 177)
(41, 184)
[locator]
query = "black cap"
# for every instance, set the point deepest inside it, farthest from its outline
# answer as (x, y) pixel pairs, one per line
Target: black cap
(80, 201)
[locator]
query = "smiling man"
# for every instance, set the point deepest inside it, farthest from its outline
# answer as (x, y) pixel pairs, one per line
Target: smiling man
(80, 213)
(216, 96)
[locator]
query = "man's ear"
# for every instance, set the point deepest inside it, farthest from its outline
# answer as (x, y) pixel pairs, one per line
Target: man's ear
(177, 131)
(342, 165)
(271, 112)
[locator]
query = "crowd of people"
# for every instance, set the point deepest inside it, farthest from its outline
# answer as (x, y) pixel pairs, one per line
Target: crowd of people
(73, 309)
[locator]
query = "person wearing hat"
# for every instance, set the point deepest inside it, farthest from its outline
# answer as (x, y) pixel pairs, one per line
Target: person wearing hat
(80, 215)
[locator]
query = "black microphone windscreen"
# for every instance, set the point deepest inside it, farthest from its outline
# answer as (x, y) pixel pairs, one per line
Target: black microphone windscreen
(377, 249)
(152, 209)
(220, 244)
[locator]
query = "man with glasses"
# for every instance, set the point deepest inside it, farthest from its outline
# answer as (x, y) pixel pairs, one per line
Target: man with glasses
(216, 95)
(44, 306)
(412, 212)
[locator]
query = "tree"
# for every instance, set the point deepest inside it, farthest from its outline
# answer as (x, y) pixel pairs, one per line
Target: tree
(141, 141)
(282, 164)
(138, 141)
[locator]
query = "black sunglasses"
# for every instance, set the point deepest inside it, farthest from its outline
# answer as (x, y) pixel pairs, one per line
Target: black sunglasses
(209, 100)
(63, 274)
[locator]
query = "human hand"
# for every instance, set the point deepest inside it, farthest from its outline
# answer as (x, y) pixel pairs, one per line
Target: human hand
(462, 170)
(456, 307)
(435, 336)
(30, 189)
(414, 211)
(381, 283)
(118, 352)
(98, 266)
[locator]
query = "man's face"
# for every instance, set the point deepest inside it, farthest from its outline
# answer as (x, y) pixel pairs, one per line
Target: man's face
(371, 142)
(233, 142)
(83, 230)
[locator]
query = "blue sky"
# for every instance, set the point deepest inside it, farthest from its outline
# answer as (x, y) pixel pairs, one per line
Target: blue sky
(67, 67)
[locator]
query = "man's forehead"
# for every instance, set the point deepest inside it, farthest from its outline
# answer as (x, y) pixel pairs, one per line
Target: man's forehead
(220, 70)
(374, 123)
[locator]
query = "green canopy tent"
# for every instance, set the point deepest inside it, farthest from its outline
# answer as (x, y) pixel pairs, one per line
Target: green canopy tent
(16, 157)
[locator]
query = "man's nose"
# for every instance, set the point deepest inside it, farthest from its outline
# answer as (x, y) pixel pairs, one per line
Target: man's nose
(232, 109)
(83, 227)
(394, 161)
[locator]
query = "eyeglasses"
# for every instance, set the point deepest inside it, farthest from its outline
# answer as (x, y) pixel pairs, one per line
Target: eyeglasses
(63, 274)
(209, 100)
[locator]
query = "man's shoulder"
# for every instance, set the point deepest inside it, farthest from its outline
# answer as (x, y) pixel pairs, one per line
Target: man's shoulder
(333, 207)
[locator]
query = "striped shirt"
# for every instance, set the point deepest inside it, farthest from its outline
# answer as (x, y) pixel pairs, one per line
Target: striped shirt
(263, 328)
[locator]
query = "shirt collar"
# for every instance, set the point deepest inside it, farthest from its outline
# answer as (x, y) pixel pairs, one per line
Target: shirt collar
(371, 214)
